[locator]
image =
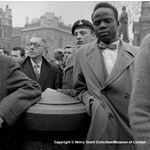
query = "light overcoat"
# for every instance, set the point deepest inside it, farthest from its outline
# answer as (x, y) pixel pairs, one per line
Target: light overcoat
(110, 120)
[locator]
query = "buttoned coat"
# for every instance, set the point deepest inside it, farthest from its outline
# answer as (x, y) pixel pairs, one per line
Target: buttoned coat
(17, 94)
(48, 76)
(107, 96)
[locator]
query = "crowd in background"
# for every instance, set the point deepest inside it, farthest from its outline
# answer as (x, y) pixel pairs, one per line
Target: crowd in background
(102, 70)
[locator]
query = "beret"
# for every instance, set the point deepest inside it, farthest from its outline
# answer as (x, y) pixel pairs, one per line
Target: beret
(82, 24)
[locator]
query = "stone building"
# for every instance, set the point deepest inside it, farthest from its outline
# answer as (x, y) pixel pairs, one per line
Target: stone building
(142, 28)
(5, 28)
(16, 37)
(49, 27)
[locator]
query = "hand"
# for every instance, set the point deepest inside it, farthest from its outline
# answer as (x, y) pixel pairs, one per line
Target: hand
(89, 105)
(69, 92)
(60, 90)
(1, 121)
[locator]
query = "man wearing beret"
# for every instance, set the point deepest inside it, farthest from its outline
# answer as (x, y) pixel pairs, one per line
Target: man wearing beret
(103, 74)
(83, 32)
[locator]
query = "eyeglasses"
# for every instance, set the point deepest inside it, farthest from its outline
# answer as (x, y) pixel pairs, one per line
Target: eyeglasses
(36, 45)
(67, 52)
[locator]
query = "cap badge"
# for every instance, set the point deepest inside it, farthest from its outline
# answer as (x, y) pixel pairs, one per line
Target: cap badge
(80, 23)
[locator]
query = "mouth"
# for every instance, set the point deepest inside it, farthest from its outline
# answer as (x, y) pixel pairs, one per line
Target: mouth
(79, 42)
(31, 52)
(103, 33)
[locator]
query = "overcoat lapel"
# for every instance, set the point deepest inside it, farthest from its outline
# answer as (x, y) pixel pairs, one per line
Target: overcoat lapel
(44, 71)
(123, 61)
(69, 63)
(27, 67)
(95, 62)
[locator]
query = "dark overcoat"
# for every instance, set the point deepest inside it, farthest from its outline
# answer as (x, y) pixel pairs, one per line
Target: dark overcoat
(17, 94)
(48, 76)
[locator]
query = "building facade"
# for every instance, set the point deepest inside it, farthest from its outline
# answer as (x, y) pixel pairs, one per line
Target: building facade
(5, 28)
(51, 28)
(142, 28)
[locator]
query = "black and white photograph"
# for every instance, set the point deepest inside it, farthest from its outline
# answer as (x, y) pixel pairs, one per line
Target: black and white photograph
(74, 75)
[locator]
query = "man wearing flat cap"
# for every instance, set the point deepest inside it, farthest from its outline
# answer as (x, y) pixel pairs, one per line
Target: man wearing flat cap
(83, 32)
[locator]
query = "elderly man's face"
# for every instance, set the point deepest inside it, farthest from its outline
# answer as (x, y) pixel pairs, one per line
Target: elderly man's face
(35, 47)
(83, 36)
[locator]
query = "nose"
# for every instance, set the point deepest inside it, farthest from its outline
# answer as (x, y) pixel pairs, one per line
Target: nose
(32, 47)
(78, 36)
(102, 25)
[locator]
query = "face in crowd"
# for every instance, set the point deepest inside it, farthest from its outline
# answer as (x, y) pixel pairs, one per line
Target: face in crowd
(83, 36)
(67, 52)
(105, 24)
(35, 47)
(59, 55)
(16, 55)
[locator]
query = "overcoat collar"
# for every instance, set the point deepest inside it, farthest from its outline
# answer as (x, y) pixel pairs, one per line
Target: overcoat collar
(124, 59)
(30, 71)
(94, 60)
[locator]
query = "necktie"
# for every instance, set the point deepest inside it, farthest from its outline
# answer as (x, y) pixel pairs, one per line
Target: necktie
(105, 46)
(37, 74)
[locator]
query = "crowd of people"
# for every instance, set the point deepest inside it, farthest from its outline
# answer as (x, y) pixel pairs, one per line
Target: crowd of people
(107, 74)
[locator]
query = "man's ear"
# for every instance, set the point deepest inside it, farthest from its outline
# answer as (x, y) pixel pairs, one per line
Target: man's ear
(93, 35)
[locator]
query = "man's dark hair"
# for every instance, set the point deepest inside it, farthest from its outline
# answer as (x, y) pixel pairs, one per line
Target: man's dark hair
(105, 5)
(124, 8)
(21, 49)
(68, 46)
(5, 52)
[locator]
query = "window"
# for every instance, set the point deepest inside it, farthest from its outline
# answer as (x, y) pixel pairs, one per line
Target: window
(1, 31)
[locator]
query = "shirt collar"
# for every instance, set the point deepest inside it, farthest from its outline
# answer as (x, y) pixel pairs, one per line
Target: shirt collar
(34, 64)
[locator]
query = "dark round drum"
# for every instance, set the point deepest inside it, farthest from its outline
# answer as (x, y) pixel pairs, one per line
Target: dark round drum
(55, 112)
(56, 117)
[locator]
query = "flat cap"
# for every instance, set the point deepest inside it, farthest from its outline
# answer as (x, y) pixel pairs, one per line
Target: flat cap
(82, 24)
(68, 46)
(58, 50)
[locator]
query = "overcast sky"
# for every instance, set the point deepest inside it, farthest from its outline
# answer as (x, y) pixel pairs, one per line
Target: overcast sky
(70, 11)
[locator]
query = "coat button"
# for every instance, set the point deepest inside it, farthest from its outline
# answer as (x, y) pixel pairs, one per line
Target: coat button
(111, 116)
(126, 95)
